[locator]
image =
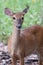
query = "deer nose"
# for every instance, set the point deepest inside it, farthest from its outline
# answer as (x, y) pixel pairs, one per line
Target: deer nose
(18, 26)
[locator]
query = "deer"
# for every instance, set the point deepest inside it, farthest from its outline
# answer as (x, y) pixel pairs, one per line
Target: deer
(22, 43)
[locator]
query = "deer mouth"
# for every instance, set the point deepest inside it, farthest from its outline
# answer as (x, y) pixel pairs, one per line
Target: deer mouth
(19, 26)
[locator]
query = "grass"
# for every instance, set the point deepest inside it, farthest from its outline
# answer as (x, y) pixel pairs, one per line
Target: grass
(31, 18)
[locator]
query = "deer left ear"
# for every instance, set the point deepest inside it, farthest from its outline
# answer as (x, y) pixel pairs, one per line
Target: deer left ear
(26, 9)
(8, 12)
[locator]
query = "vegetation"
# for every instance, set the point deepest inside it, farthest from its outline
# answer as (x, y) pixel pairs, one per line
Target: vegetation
(31, 18)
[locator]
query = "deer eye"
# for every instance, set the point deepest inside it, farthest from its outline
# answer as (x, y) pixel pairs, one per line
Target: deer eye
(14, 18)
(22, 18)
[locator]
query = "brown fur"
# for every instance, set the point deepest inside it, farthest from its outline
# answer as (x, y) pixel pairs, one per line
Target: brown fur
(30, 39)
(23, 43)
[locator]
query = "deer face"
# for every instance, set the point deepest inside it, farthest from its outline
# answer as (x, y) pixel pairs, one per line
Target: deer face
(17, 17)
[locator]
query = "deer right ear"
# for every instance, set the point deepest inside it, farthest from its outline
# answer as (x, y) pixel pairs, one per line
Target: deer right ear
(26, 9)
(8, 12)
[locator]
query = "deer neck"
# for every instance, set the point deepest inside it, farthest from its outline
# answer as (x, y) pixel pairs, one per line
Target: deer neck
(16, 34)
(15, 39)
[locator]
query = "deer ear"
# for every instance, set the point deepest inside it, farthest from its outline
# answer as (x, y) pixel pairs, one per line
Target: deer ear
(8, 12)
(26, 9)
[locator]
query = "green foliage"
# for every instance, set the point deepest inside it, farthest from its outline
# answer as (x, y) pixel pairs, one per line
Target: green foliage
(31, 18)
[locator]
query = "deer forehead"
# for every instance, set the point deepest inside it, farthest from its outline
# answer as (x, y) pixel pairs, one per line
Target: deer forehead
(18, 15)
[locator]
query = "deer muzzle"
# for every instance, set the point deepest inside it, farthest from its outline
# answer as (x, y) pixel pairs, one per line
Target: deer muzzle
(19, 25)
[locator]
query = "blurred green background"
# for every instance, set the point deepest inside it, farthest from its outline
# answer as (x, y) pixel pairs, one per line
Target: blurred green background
(34, 15)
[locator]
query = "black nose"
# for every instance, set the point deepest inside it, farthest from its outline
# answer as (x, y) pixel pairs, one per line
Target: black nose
(18, 26)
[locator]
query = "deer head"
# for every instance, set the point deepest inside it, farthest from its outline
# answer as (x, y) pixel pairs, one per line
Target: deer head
(17, 17)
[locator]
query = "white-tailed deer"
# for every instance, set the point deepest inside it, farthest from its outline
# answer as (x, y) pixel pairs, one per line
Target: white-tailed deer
(23, 42)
